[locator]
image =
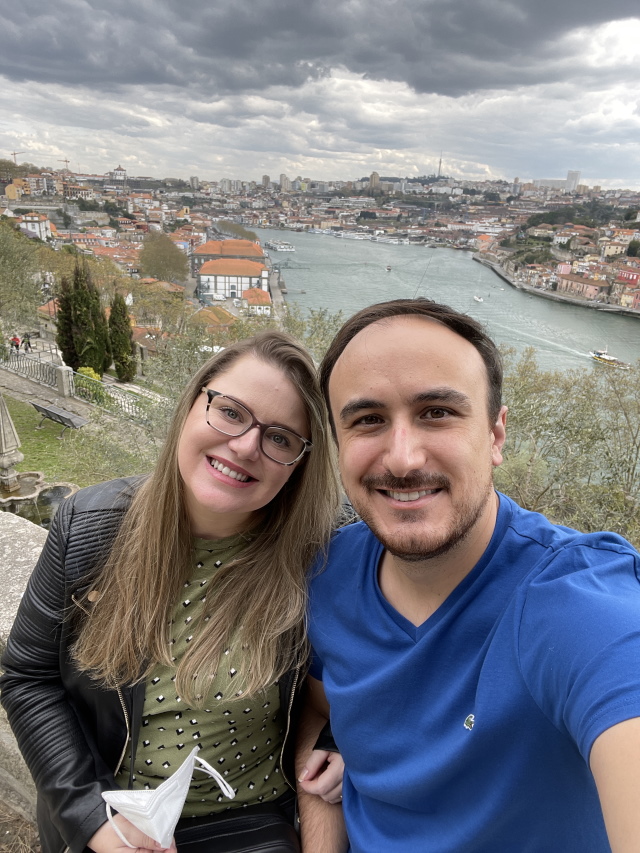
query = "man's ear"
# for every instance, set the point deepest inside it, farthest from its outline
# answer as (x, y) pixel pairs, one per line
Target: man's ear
(499, 432)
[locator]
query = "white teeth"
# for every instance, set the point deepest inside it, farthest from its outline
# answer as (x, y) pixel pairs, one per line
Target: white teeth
(224, 469)
(410, 496)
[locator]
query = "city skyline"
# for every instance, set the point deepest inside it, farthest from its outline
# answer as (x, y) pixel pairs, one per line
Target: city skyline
(326, 90)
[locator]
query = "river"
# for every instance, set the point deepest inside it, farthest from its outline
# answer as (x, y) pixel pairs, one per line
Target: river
(338, 274)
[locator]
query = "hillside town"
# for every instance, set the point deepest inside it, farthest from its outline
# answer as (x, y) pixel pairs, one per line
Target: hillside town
(559, 238)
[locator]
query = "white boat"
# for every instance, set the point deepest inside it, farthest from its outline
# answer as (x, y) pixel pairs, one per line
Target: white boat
(478, 298)
(279, 246)
(603, 357)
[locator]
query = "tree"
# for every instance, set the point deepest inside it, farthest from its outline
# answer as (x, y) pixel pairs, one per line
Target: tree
(160, 258)
(233, 229)
(573, 445)
(83, 333)
(120, 335)
(64, 324)
(19, 284)
(158, 308)
(99, 355)
(633, 248)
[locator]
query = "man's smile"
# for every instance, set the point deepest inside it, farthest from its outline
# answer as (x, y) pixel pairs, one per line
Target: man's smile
(410, 496)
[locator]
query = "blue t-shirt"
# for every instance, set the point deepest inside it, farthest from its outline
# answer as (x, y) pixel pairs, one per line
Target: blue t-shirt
(471, 733)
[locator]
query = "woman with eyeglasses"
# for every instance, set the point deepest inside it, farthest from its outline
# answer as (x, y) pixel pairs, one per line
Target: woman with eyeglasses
(168, 612)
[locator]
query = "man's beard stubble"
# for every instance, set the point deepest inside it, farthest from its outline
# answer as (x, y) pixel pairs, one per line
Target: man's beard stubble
(423, 545)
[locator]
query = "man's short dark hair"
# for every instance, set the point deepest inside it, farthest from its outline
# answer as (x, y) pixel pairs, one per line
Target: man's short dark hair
(461, 324)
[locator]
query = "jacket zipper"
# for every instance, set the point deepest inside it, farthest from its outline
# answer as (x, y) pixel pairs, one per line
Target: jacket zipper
(126, 741)
(286, 734)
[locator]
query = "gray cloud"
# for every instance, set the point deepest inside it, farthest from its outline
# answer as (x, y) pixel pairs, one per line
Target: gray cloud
(326, 89)
(449, 47)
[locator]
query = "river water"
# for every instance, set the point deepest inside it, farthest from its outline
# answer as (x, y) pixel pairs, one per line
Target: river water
(348, 274)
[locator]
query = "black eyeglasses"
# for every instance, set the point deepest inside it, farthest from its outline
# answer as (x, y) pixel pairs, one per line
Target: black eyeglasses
(230, 417)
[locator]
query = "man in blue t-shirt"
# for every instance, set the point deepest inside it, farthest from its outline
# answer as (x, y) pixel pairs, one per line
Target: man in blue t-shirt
(481, 665)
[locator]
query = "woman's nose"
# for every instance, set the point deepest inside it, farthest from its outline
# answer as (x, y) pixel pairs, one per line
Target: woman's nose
(247, 445)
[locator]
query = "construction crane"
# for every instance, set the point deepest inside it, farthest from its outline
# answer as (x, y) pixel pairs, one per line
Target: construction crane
(66, 162)
(14, 154)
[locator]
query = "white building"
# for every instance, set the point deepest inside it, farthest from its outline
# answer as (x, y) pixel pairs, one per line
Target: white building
(35, 223)
(229, 277)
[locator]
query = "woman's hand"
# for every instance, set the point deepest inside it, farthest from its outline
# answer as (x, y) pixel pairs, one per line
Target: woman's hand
(106, 839)
(322, 775)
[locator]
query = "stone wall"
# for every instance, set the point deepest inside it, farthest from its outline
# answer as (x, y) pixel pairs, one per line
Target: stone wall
(20, 545)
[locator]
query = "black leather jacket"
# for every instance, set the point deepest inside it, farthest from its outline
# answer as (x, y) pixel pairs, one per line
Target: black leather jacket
(73, 734)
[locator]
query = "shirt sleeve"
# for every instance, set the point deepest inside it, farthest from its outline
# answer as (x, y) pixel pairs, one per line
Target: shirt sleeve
(579, 638)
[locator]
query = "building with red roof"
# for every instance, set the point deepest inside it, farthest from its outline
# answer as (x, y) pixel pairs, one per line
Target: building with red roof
(228, 277)
(257, 302)
(216, 249)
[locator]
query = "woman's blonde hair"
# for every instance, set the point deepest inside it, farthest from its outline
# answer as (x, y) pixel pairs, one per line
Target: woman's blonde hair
(258, 599)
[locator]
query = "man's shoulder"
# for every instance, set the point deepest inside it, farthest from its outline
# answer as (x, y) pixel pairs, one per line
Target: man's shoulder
(527, 521)
(560, 549)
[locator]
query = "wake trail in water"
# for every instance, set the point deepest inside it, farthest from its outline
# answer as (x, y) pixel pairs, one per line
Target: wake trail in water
(424, 275)
(538, 339)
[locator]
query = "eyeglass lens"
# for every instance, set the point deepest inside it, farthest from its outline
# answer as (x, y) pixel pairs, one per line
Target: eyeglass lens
(231, 418)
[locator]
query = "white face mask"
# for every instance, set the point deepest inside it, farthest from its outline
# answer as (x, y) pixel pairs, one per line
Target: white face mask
(156, 812)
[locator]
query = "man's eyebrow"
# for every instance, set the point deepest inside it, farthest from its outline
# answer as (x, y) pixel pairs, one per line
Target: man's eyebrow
(443, 395)
(356, 406)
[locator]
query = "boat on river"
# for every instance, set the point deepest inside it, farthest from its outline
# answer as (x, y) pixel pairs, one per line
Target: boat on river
(478, 298)
(279, 246)
(603, 357)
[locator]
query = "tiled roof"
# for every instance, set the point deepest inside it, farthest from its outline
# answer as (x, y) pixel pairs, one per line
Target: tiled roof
(230, 248)
(213, 316)
(165, 285)
(255, 296)
(231, 266)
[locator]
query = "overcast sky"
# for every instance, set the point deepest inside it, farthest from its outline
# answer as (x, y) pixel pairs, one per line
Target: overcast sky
(331, 89)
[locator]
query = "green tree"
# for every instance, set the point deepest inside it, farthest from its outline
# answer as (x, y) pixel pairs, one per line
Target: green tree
(83, 332)
(160, 258)
(64, 324)
(233, 229)
(99, 355)
(633, 248)
(121, 337)
(573, 445)
(19, 283)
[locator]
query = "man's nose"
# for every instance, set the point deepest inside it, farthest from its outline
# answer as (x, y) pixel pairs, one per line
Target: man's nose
(406, 450)
(247, 445)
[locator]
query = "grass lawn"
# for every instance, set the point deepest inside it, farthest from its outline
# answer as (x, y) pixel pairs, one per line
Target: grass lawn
(43, 451)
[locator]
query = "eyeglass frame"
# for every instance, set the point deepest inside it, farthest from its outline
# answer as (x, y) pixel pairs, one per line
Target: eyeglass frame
(254, 423)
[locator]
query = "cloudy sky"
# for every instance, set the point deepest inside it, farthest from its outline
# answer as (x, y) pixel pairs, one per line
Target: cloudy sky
(331, 89)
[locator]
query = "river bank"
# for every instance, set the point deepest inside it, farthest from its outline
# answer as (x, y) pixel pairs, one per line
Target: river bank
(552, 295)
(325, 273)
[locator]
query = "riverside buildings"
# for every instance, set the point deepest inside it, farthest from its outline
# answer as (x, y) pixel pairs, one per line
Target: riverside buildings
(110, 215)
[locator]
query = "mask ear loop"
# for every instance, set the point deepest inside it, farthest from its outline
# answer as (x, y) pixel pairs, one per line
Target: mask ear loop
(224, 786)
(116, 829)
